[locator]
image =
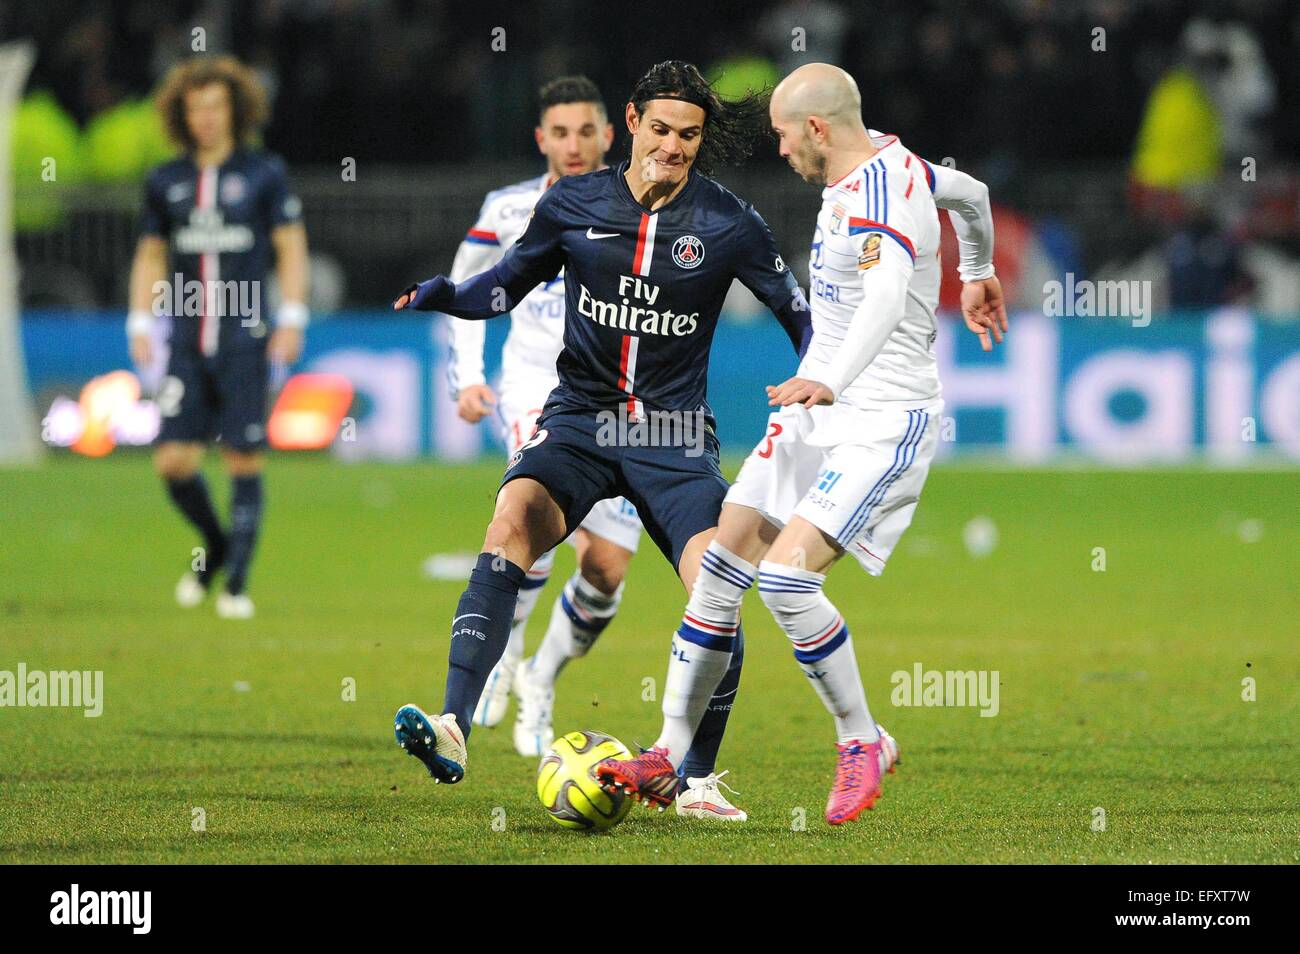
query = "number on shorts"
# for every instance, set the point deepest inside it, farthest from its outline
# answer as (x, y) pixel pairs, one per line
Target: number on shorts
(766, 451)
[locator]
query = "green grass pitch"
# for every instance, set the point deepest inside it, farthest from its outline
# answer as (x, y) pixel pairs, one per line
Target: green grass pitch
(1120, 689)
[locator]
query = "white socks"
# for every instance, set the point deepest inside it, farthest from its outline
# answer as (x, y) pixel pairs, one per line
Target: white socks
(580, 615)
(702, 646)
(529, 593)
(822, 645)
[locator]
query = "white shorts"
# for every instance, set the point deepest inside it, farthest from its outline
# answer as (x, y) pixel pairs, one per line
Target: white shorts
(854, 474)
(614, 519)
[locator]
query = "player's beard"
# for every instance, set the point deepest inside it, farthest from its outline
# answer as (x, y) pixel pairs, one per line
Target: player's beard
(812, 164)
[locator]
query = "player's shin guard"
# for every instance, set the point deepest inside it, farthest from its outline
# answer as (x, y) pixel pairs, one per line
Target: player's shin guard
(580, 615)
(190, 495)
(702, 646)
(245, 520)
(479, 633)
(530, 591)
(702, 759)
(822, 645)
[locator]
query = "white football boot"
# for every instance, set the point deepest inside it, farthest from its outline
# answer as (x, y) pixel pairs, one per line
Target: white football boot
(494, 702)
(234, 606)
(888, 752)
(703, 798)
(435, 740)
(533, 731)
(189, 591)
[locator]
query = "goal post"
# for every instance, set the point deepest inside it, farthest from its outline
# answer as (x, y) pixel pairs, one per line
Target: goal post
(20, 441)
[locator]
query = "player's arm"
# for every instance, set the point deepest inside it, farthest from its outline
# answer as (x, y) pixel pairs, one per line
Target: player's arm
(479, 251)
(762, 270)
(283, 210)
(537, 257)
(971, 214)
(148, 269)
(885, 266)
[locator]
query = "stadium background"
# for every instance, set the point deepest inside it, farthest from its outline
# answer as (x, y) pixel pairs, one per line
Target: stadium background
(1170, 158)
(1123, 163)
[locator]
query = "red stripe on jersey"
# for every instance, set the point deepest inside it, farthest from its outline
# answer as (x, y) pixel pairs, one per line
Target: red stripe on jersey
(622, 364)
(910, 183)
(483, 234)
(636, 259)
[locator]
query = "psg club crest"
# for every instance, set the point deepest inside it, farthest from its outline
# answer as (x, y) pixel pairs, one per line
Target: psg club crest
(233, 188)
(688, 251)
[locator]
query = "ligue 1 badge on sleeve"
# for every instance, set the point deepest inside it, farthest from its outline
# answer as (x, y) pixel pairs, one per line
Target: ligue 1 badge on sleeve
(688, 251)
(870, 256)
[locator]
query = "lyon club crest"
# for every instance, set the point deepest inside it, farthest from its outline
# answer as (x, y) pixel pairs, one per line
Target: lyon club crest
(688, 251)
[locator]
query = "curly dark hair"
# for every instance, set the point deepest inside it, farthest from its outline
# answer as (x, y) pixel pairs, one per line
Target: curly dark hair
(731, 127)
(247, 97)
(569, 89)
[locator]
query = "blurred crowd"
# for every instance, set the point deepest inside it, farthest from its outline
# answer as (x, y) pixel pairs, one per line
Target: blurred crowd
(1165, 97)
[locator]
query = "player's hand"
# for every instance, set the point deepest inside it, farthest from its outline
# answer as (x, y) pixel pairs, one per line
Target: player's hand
(475, 402)
(799, 391)
(984, 310)
(142, 351)
(432, 295)
(285, 345)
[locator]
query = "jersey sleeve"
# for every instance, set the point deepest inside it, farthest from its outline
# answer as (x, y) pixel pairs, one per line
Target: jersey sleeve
(967, 201)
(535, 258)
(154, 217)
(761, 269)
(479, 251)
(883, 239)
(279, 203)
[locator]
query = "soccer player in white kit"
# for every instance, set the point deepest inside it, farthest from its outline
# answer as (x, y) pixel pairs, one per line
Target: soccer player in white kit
(574, 135)
(842, 463)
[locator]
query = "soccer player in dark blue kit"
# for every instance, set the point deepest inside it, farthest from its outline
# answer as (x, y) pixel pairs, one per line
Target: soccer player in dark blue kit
(649, 249)
(213, 219)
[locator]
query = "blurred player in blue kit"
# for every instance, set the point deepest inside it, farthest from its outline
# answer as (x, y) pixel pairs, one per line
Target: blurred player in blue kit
(213, 220)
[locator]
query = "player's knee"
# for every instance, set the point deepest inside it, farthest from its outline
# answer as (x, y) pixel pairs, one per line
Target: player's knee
(175, 462)
(602, 572)
(787, 604)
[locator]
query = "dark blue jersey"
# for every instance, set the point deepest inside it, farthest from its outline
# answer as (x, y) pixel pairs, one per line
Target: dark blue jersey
(643, 289)
(217, 223)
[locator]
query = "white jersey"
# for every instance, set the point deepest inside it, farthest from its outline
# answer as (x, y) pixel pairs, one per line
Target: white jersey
(880, 219)
(536, 324)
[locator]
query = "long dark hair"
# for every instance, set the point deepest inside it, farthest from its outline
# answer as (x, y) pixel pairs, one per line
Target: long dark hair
(730, 126)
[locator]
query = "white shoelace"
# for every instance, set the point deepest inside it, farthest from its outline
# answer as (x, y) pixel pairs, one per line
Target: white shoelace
(711, 783)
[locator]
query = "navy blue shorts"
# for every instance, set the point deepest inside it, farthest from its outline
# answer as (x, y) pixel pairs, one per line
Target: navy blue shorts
(222, 397)
(677, 490)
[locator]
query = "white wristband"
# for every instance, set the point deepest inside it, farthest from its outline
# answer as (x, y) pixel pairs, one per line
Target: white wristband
(291, 314)
(139, 322)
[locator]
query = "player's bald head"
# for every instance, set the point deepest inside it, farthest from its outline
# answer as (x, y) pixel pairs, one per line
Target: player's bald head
(818, 89)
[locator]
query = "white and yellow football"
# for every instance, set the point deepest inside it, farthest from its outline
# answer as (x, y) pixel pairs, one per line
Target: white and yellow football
(567, 785)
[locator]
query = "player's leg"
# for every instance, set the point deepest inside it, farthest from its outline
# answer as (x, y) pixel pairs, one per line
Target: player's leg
(241, 379)
(582, 611)
(518, 410)
(246, 500)
(860, 504)
(185, 403)
(177, 463)
(605, 545)
(548, 489)
(790, 582)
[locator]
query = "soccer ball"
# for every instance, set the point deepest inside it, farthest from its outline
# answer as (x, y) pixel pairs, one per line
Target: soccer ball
(567, 784)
